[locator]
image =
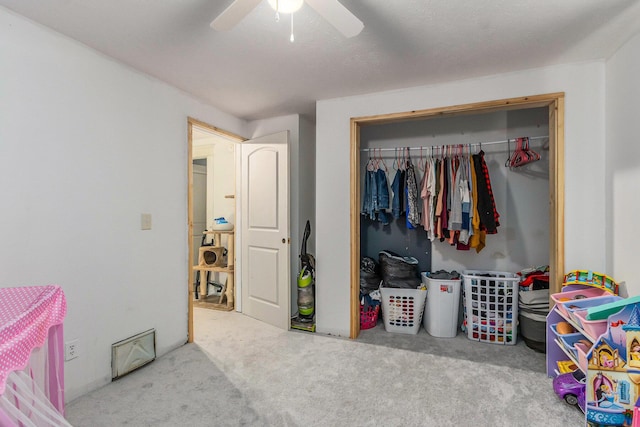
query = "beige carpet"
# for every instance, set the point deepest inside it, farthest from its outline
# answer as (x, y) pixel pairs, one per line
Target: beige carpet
(243, 372)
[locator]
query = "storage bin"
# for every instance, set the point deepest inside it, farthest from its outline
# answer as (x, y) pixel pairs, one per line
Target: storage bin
(572, 307)
(441, 309)
(593, 328)
(566, 366)
(402, 309)
(369, 317)
(569, 343)
(565, 296)
(491, 306)
(533, 307)
(558, 334)
(582, 350)
(533, 329)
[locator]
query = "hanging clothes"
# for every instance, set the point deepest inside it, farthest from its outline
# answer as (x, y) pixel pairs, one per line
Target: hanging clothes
(382, 186)
(445, 199)
(477, 240)
(376, 194)
(489, 217)
(427, 193)
(368, 195)
(456, 196)
(413, 213)
(439, 208)
(465, 203)
(397, 187)
(453, 201)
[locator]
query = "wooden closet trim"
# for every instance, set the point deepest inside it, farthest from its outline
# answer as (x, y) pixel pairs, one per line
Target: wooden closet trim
(553, 101)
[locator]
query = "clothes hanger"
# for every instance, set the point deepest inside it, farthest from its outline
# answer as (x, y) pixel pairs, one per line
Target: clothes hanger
(423, 162)
(404, 158)
(507, 163)
(395, 165)
(381, 160)
(370, 166)
(533, 154)
(523, 154)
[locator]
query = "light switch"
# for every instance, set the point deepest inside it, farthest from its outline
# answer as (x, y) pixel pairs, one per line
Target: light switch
(145, 221)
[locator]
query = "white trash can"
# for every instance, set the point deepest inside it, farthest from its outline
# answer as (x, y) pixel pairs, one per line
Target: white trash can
(441, 310)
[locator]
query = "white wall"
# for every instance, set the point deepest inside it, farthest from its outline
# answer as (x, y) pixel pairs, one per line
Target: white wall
(584, 136)
(223, 173)
(623, 163)
(307, 182)
(86, 146)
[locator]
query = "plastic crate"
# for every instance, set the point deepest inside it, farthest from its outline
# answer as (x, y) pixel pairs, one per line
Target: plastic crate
(491, 306)
(402, 309)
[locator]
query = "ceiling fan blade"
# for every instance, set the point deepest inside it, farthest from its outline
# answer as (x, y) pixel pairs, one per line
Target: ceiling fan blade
(233, 14)
(338, 16)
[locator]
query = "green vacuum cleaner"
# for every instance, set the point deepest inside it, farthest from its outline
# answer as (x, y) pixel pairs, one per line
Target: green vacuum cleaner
(305, 318)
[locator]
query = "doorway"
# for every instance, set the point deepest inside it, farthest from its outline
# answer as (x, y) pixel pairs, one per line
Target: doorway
(211, 174)
(555, 105)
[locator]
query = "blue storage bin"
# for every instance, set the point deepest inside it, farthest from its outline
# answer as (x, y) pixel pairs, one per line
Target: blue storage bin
(568, 342)
(582, 304)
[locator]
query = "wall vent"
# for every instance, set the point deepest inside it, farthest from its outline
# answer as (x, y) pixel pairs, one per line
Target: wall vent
(132, 353)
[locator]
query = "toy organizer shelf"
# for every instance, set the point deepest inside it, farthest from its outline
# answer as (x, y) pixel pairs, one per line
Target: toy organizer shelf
(605, 350)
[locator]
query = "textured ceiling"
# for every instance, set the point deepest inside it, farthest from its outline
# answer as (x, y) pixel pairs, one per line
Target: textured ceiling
(253, 71)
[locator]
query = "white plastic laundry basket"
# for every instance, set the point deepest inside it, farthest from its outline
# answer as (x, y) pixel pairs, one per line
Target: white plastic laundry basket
(402, 309)
(491, 306)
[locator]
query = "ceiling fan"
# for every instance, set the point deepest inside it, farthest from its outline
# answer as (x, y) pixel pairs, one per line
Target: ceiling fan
(331, 10)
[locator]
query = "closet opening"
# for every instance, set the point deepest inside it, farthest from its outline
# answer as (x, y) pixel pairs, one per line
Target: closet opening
(463, 127)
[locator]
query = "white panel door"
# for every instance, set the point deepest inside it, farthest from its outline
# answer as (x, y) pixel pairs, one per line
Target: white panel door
(265, 229)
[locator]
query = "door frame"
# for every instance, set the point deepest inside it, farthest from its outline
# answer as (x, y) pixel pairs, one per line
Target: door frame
(555, 104)
(191, 122)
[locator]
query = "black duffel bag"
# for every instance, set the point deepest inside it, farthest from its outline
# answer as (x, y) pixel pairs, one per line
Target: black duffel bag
(398, 271)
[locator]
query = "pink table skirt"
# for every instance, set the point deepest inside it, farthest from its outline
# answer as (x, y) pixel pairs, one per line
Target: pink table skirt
(31, 317)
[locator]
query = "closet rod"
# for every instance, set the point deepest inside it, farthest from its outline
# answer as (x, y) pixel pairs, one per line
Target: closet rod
(533, 138)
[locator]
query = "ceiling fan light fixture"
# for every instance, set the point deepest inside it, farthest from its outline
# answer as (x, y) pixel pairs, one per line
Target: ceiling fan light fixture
(286, 6)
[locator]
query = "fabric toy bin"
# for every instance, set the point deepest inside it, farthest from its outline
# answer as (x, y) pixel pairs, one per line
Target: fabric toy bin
(402, 309)
(491, 306)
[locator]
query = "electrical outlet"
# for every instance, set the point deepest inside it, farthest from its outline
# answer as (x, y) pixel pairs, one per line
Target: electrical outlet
(71, 350)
